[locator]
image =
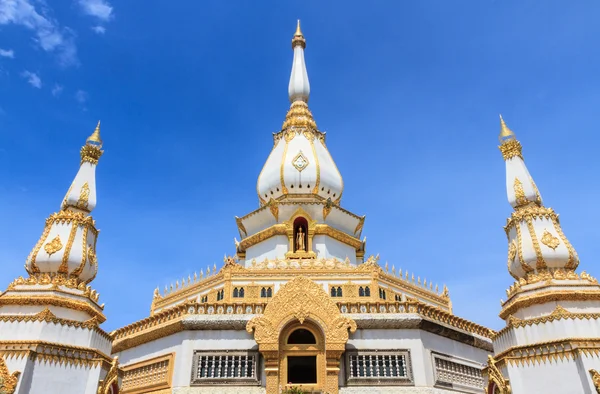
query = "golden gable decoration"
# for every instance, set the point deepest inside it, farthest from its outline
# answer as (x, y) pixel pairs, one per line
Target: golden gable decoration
(8, 381)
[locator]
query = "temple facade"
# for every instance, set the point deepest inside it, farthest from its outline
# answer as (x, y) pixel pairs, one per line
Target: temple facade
(299, 304)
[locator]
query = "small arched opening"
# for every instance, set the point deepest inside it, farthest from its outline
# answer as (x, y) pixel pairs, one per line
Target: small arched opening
(300, 235)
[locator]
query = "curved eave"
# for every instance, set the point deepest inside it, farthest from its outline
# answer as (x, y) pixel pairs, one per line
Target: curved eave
(409, 314)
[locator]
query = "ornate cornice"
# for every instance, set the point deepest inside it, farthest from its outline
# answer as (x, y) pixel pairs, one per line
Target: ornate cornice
(55, 301)
(56, 280)
(170, 321)
(559, 313)
(54, 353)
(550, 351)
(510, 307)
(48, 317)
(530, 212)
(547, 275)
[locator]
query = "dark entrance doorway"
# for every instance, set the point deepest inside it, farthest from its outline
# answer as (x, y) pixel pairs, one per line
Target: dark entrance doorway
(302, 369)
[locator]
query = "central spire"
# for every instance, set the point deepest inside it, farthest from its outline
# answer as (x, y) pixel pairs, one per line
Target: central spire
(299, 87)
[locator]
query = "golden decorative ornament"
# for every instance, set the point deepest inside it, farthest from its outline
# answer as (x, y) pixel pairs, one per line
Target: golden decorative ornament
(240, 226)
(84, 196)
(274, 208)
(299, 119)
(512, 252)
(8, 381)
(90, 154)
(595, 379)
(300, 162)
(111, 378)
(91, 254)
(53, 246)
(519, 193)
(64, 266)
(327, 208)
(495, 375)
(510, 149)
(550, 240)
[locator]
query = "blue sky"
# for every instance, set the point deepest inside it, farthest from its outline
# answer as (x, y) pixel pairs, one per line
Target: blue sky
(189, 93)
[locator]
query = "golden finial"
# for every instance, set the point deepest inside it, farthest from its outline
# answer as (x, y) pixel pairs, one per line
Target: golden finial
(95, 139)
(298, 37)
(505, 132)
(298, 31)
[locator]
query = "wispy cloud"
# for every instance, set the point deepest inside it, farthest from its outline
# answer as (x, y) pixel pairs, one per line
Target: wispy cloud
(100, 9)
(81, 96)
(7, 53)
(32, 78)
(57, 90)
(99, 29)
(49, 35)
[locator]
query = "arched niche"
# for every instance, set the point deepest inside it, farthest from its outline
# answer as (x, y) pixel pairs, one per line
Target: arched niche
(300, 221)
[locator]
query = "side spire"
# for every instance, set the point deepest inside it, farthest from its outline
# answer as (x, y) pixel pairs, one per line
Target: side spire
(537, 246)
(82, 193)
(299, 87)
(520, 187)
(67, 247)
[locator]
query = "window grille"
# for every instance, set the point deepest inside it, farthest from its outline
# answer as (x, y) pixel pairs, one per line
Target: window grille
(378, 367)
(220, 295)
(382, 294)
(212, 367)
(452, 374)
(204, 298)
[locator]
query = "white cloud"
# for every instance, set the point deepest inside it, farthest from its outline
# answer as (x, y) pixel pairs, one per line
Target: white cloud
(81, 96)
(57, 90)
(48, 33)
(100, 9)
(7, 53)
(32, 78)
(99, 29)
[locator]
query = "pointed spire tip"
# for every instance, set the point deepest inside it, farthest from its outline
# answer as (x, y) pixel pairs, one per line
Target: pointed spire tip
(95, 139)
(505, 132)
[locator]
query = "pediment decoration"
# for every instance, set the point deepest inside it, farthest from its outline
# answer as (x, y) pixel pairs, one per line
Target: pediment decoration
(300, 300)
(8, 381)
(111, 379)
(496, 379)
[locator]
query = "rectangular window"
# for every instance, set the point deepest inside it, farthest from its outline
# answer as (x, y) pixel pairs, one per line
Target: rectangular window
(368, 367)
(457, 374)
(225, 367)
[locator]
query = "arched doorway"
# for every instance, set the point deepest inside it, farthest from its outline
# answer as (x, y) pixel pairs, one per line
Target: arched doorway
(302, 356)
(301, 304)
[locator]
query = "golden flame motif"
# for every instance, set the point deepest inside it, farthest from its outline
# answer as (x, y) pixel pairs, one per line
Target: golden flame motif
(8, 381)
(84, 196)
(91, 255)
(512, 251)
(519, 192)
(550, 240)
(53, 246)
